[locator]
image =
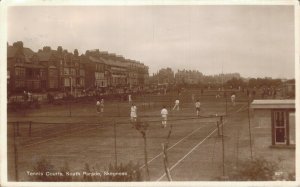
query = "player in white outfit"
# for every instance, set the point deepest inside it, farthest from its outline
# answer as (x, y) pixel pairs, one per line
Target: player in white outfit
(164, 115)
(233, 99)
(197, 105)
(176, 105)
(133, 113)
(102, 105)
(98, 106)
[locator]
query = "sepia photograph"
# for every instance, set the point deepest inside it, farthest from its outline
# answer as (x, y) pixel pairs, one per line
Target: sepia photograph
(146, 92)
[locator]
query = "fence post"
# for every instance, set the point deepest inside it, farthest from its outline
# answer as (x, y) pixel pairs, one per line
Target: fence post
(144, 102)
(226, 103)
(119, 109)
(146, 155)
(223, 148)
(70, 109)
(149, 101)
(18, 132)
(249, 129)
(16, 153)
(30, 128)
(218, 128)
(115, 145)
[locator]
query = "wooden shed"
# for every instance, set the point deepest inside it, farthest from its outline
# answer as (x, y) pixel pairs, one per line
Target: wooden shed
(276, 120)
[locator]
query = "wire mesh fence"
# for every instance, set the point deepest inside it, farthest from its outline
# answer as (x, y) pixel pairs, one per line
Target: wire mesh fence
(117, 140)
(110, 137)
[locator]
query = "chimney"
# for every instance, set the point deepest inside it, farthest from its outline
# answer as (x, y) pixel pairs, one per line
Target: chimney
(46, 49)
(18, 44)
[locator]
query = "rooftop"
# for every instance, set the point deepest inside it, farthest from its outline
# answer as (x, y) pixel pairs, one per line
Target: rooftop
(273, 104)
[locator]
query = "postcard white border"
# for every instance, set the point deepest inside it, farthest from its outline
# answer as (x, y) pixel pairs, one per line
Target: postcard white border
(3, 57)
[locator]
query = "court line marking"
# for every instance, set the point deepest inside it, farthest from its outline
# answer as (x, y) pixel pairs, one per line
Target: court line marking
(195, 147)
(187, 154)
(173, 145)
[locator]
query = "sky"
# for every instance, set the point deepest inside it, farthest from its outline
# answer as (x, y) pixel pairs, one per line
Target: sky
(255, 41)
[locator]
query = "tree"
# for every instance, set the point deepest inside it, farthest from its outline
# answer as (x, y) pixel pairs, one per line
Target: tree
(235, 82)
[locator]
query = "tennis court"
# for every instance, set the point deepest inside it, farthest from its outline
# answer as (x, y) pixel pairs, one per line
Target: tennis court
(84, 136)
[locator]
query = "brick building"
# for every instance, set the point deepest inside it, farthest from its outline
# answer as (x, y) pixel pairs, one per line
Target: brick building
(23, 69)
(60, 70)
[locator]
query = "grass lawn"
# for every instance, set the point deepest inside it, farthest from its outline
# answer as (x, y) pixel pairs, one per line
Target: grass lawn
(76, 134)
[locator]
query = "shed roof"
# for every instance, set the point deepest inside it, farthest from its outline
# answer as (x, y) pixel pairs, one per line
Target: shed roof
(273, 104)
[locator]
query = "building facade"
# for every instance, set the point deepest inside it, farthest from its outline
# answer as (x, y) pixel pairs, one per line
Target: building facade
(60, 70)
(23, 68)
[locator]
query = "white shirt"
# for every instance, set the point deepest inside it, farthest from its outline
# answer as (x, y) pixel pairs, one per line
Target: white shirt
(164, 112)
(233, 97)
(98, 103)
(133, 111)
(177, 102)
(197, 104)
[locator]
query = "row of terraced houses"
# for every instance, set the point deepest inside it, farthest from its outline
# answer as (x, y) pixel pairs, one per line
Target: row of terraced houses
(60, 70)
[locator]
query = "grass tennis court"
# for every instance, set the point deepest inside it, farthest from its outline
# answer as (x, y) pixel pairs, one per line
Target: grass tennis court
(76, 134)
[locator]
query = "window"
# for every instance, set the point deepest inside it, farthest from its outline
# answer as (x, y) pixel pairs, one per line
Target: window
(283, 127)
(73, 72)
(77, 81)
(81, 82)
(67, 82)
(99, 75)
(20, 72)
(280, 126)
(82, 73)
(66, 71)
(43, 73)
(19, 83)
